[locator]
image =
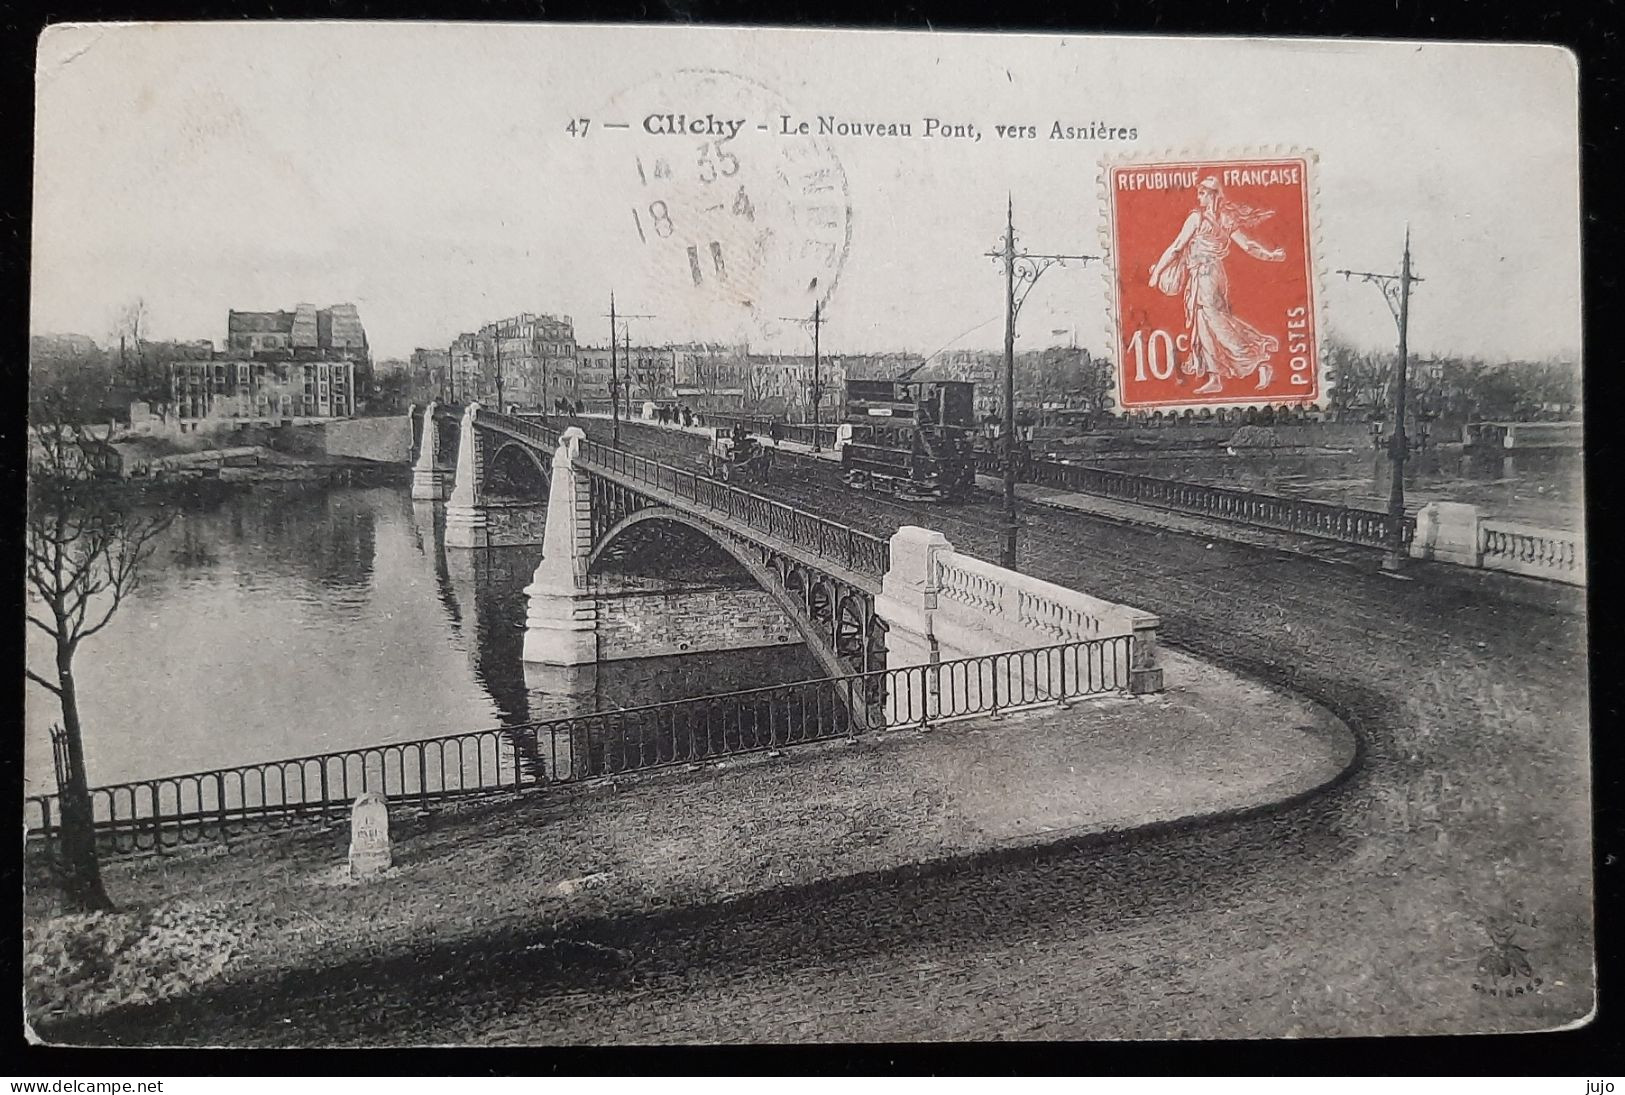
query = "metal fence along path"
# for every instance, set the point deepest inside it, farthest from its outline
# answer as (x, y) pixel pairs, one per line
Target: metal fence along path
(197, 807)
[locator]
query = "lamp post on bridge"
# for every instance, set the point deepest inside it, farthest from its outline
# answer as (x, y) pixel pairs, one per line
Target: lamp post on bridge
(614, 376)
(1023, 268)
(1396, 291)
(501, 407)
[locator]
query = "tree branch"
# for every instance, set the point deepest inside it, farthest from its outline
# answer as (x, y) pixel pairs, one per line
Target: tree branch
(42, 625)
(41, 681)
(81, 633)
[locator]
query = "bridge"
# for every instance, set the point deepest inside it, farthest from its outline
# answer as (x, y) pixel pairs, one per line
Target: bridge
(860, 602)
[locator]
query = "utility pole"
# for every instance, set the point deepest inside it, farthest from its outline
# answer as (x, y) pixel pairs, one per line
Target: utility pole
(501, 408)
(817, 385)
(614, 375)
(1023, 268)
(1396, 290)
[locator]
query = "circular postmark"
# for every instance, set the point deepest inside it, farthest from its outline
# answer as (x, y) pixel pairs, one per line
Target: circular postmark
(731, 219)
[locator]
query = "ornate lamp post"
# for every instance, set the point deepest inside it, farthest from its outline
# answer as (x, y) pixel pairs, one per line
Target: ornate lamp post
(1396, 290)
(1022, 269)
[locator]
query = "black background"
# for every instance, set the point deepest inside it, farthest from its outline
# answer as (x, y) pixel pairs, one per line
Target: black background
(1589, 29)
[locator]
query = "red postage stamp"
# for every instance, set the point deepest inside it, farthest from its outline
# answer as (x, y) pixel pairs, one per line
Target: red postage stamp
(1213, 283)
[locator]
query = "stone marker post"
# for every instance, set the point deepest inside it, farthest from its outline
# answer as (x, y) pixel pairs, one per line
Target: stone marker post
(1144, 674)
(370, 853)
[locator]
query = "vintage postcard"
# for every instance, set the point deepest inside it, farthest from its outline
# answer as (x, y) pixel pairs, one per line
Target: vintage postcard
(547, 534)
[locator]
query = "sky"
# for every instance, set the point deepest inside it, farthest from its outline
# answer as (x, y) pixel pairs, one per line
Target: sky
(428, 174)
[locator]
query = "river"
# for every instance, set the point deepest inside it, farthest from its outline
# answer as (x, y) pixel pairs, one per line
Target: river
(1544, 488)
(284, 622)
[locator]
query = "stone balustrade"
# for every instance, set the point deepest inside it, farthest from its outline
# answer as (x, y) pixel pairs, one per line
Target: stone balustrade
(1024, 604)
(1538, 552)
(941, 605)
(1455, 532)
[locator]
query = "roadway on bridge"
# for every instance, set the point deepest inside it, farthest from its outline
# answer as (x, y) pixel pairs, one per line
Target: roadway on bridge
(815, 484)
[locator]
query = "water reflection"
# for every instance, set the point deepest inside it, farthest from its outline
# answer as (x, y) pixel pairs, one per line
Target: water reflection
(279, 623)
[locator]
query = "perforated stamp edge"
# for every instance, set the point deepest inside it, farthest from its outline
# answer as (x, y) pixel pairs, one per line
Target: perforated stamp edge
(1317, 269)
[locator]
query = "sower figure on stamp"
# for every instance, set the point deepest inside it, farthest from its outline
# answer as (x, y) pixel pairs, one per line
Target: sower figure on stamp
(1222, 347)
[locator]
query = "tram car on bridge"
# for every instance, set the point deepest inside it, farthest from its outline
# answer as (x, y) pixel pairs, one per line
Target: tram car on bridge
(922, 438)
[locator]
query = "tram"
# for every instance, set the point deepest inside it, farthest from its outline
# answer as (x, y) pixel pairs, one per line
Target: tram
(922, 439)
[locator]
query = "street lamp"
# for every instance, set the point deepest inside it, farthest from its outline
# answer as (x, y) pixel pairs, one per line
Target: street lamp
(1022, 268)
(1396, 290)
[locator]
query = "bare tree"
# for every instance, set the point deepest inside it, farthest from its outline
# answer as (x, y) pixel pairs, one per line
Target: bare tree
(646, 379)
(1361, 379)
(129, 331)
(755, 385)
(85, 547)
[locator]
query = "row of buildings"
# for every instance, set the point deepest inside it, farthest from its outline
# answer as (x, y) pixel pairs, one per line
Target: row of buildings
(530, 361)
(315, 363)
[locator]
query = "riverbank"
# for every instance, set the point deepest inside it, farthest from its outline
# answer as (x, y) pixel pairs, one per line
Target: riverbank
(335, 452)
(214, 473)
(269, 942)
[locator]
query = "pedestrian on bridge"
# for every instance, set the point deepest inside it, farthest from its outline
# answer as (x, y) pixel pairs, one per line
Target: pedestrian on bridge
(775, 431)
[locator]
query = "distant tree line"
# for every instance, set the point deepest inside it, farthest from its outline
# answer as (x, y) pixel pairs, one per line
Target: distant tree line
(1454, 387)
(93, 384)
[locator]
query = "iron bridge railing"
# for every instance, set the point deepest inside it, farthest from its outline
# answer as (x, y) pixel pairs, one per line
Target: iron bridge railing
(862, 552)
(197, 807)
(859, 551)
(1300, 515)
(527, 428)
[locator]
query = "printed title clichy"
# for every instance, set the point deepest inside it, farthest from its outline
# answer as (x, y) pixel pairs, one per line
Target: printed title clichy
(667, 124)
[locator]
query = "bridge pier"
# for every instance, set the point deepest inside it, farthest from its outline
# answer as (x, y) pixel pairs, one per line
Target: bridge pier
(561, 618)
(576, 620)
(466, 523)
(428, 481)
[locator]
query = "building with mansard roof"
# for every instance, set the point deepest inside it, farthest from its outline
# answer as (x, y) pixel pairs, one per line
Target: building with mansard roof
(306, 363)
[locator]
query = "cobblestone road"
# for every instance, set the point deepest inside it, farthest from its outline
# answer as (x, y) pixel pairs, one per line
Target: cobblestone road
(1365, 912)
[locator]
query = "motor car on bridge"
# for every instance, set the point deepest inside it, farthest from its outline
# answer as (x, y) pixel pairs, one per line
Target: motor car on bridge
(733, 453)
